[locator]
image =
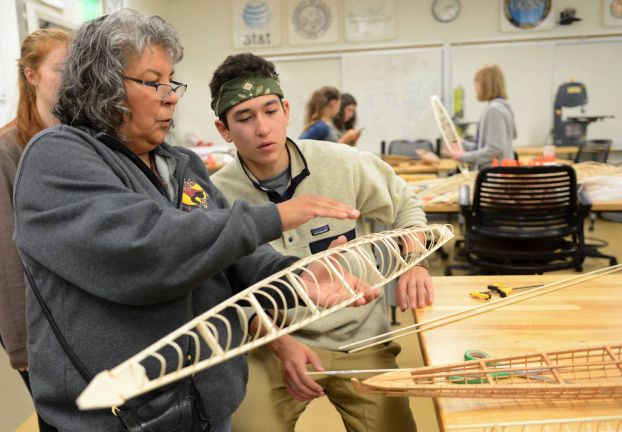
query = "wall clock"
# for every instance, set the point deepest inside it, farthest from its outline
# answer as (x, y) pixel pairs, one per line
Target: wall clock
(446, 10)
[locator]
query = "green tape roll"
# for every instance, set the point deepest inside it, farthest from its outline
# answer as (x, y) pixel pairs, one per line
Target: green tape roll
(476, 355)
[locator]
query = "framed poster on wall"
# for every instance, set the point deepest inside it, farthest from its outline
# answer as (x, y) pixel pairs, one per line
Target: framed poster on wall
(526, 15)
(38, 17)
(113, 5)
(256, 23)
(59, 4)
(367, 20)
(312, 21)
(612, 12)
(2, 84)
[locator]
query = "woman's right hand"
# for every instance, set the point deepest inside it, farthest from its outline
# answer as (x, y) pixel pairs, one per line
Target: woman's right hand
(300, 210)
(351, 135)
(456, 154)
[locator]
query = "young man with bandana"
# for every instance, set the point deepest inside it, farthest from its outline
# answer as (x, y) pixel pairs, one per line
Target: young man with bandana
(248, 100)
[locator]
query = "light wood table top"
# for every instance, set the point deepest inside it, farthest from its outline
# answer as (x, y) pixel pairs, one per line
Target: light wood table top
(410, 178)
(597, 206)
(538, 150)
(584, 315)
(418, 167)
(441, 207)
(602, 206)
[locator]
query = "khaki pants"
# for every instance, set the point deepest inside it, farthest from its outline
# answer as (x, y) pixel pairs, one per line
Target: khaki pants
(268, 407)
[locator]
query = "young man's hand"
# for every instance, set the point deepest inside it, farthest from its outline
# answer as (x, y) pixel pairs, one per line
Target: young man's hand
(325, 288)
(294, 358)
(415, 289)
(299, 210)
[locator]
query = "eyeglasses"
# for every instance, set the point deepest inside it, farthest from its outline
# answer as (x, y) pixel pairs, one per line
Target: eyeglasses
(163, 91)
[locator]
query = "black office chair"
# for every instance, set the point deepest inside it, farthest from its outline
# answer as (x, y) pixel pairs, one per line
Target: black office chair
(523, 220)
(409, 148)
(592, 245)
(593, 151)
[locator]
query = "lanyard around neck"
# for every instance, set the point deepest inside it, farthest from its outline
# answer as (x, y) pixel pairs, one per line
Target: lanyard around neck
(273, 195)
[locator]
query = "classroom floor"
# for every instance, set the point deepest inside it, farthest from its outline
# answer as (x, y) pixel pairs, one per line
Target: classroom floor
(16, 409)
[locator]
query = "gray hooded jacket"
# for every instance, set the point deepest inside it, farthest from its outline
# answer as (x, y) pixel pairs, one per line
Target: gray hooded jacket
(495, 132)
(120, 265)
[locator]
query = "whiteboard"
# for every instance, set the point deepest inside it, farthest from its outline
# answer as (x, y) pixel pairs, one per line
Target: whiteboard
(393, 94)
(325, 71)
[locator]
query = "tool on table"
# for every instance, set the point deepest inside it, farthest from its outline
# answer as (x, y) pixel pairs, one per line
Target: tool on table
(505, 290)
(482, 295)
(502, 289)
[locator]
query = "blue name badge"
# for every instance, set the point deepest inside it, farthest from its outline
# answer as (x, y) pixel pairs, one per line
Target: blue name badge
(320, 230)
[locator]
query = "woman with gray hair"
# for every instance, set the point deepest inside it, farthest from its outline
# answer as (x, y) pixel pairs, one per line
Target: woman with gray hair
(124, 236)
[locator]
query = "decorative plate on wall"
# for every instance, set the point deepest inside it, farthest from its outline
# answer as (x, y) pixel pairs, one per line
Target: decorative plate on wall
(520, 15)
(612, 12)
(312, 21)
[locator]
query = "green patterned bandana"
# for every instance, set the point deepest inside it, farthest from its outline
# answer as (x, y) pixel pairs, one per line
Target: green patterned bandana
(241, 89)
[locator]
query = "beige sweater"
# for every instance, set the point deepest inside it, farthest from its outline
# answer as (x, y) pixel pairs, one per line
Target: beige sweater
(359, 179)
(12, 294)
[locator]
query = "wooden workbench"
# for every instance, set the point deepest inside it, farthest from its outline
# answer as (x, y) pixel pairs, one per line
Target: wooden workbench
(418, 167)
(597, 206)
(538, 150)
(579, 316)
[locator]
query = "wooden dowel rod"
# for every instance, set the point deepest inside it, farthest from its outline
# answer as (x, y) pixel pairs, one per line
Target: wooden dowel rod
(353, 372)
(486, 307)
(482, 306)
(535, 423)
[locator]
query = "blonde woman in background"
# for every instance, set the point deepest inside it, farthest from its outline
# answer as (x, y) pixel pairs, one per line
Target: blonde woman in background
(39, 71)
(323, 105)
(496, 128)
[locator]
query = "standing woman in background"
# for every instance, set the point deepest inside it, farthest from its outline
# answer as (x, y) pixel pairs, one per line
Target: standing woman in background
(323, 105)
(345, 120)
(39, 71)
(496, 128)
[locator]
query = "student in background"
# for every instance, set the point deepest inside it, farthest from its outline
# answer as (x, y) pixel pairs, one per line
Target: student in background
(496, 128)
(270, 167)
(39, 72)
(322, 107)
(345, 120)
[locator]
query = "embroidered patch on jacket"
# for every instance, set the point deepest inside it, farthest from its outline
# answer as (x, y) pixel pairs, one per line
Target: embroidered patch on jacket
(320, 230)
(193, 195)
